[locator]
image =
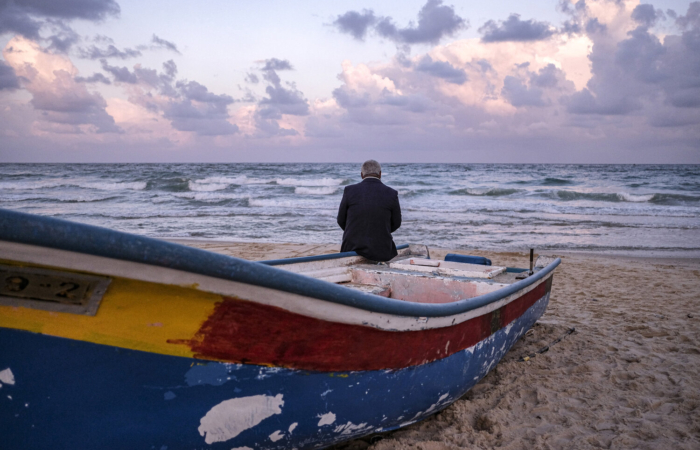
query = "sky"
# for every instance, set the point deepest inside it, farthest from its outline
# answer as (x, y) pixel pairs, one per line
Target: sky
(545, 81)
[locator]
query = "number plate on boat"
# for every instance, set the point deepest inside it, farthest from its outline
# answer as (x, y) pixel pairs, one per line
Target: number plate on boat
(51, 290)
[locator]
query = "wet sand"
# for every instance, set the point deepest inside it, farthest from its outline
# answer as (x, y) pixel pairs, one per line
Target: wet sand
(627, 378)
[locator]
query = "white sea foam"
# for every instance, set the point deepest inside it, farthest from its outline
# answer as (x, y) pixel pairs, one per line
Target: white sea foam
(311, 182)
(326, 190)
(201, 186)
(98, 185)
(106, 186)
(626, 197)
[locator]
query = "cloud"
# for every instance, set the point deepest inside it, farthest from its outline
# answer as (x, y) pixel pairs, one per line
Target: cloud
(188, 105)
(642, 73)
(120, 74)
(435, 22)
(692, 18)
(441, 69)
(25, 18)
(646, 15)
(162, 43)
(63, 38)
(95, 78)
(64, 103)
(8, 79)
(514, 29)
(93, 52)
(355, 24)
(280, 100)
(518, 94)
(198, 110)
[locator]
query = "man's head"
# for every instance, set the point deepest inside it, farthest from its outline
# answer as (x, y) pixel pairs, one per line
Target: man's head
(371, 168)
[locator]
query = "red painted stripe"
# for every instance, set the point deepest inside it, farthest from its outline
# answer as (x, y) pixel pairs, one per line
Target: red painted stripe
(247, 332)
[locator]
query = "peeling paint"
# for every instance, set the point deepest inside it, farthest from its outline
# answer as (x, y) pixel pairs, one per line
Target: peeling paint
(7, 377)
(292, 427)
(231, 417)
(326, 419)
(276, 436)
(350, 428)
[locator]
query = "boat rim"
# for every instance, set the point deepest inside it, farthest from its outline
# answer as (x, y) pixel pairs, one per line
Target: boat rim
(76, 237)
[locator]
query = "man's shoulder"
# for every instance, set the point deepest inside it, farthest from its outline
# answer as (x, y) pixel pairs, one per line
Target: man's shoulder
(373, 184)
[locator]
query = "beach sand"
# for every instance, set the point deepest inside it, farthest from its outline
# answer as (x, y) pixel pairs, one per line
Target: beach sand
(627, 378)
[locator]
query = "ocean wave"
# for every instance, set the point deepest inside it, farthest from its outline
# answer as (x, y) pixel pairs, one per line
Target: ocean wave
(290, 203)
(310, 182)
(627, 197)
(489, 192)
(200, 186)
(97, 185)
(210, 197)
(227, 181)
(556, 182)
(65, 199)
(325, 190)
(655, 198)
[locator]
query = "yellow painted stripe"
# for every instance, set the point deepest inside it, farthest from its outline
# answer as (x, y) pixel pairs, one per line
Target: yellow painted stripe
(133, 314)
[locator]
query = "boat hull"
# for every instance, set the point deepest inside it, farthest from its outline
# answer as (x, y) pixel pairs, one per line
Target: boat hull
(110, 397)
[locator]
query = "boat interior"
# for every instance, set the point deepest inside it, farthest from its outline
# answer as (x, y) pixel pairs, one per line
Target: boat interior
(412, 276)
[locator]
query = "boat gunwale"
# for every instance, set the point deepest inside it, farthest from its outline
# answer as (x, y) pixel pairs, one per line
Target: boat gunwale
(92, 240)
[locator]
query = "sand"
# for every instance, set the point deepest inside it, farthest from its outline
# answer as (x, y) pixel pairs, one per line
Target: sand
(627, 378)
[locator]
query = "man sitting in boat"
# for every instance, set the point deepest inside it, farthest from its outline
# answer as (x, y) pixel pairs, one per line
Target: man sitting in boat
(369, 212)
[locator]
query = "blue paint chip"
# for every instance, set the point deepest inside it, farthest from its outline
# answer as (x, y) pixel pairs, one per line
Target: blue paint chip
(214, 374)
(169, 395)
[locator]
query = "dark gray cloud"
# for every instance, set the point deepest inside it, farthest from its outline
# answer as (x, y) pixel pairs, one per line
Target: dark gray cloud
(441, 69)
(646, 15)
(94, 78)
(514, 29)
(63, 37)
(8, 78)
(414, 103)
(200, 111)
(644, 73)
(593, 26)
(435, 21)
(69, 104)
(692, 17)
(274, 64)
(252, 78)
(94, 52)
(349, 98)
(27, 17)
(614, 104)
(280, 100)
(548, 77)
(188, 105)
(518, 94)
(355, 24)
(162, 43)
(120, 74)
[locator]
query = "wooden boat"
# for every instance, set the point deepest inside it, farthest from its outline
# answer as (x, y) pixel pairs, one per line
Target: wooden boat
(110, 340)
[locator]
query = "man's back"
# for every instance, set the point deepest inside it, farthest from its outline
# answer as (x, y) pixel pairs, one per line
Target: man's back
(368, 214)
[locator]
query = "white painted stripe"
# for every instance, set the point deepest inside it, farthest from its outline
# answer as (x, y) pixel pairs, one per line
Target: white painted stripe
(311, 307)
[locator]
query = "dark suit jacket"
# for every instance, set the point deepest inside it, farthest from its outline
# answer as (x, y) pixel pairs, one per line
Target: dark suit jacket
(369, 213)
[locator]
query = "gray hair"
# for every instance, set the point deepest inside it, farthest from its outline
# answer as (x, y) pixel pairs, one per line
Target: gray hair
(371, 167)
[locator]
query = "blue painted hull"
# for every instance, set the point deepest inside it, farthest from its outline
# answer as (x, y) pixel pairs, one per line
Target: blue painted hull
(77, 395)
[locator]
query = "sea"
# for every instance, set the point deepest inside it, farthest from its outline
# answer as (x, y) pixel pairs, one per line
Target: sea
(643, 210)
